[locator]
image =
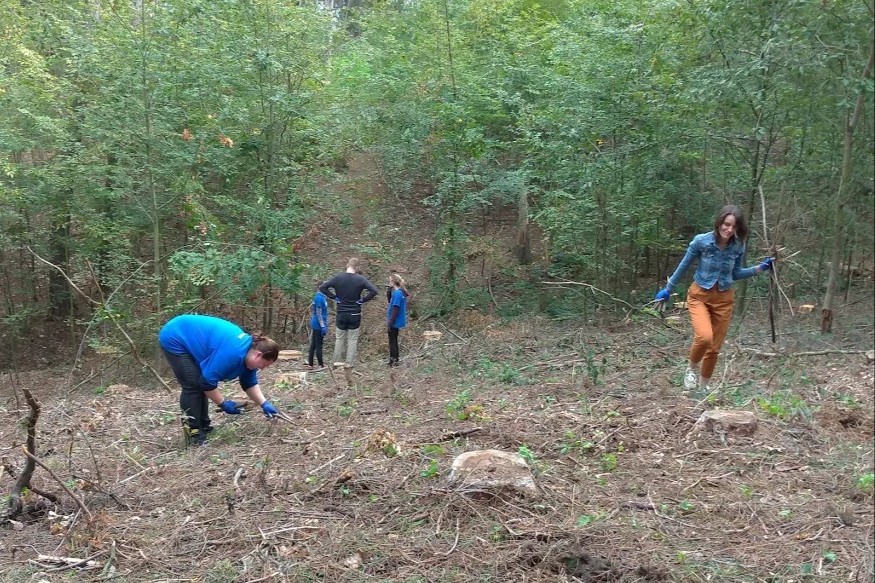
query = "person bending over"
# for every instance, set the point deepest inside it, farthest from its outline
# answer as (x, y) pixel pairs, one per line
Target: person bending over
(204, 350)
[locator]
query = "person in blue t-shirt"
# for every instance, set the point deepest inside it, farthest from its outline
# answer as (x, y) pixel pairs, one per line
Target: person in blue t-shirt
(710, 298)
(318, 326)
(204, 350)
(396, 315)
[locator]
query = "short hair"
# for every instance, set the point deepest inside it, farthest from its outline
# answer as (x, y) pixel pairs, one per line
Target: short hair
(740, 223)
(353, 263)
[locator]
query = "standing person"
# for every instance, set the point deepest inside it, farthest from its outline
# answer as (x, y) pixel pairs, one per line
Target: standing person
(346, 290)
(710, 298)
(318, 327)
(396, 316)
(203, 350)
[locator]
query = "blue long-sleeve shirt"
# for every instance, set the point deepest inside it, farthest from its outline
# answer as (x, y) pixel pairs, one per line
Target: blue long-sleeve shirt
(218, 346)
(318, 308)
(720, 267)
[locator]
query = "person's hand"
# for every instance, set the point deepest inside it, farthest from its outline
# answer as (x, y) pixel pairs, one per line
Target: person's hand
(766, 265)
(662, 295)
(359, 301)
(336, 299)
(230, 407)
(324, 330)
(269, 410)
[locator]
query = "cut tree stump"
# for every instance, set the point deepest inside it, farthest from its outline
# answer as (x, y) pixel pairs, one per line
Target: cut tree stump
(736, 422)
(491, 471)
(290, 355)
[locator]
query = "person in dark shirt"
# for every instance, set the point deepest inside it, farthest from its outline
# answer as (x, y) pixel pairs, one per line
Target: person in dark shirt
(204, 350)
(710, 299)
(346, 290)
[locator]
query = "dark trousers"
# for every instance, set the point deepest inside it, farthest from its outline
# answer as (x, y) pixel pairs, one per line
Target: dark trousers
(315, 347)
(394, 350)
(192, 401)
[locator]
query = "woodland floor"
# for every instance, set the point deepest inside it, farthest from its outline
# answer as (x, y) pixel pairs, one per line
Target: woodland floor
(629, 493)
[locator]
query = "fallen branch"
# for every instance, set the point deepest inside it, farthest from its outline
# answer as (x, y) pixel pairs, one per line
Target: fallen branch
(59, 481)
(326, 464)
(68, 562)
(457, 434)
(756, 352)
(593, 289)
(15, 504)
(236, 480)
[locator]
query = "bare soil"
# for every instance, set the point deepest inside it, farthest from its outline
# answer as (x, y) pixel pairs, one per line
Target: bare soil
(355, 488)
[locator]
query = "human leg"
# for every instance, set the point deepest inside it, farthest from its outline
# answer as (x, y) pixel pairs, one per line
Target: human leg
(339, 345)
(311, 352)
(192, 401)
(352, 345)
(720, 307)
(318, 341)
(394, 351)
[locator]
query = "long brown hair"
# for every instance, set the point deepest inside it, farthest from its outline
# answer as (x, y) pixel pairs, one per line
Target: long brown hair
(268, 348)
(740, 223)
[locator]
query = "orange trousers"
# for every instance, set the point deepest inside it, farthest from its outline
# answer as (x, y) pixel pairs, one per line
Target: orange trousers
(710, 313)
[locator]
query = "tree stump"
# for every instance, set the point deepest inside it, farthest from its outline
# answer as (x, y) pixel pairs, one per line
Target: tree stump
(736, 422)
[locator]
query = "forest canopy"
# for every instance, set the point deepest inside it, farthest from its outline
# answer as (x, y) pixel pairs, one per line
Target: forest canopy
(164, 154)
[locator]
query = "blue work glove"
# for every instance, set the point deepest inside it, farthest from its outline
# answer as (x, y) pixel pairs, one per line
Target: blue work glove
(662, 295)
(230, 407)
(767, 264)
(336, 299)
(324, 330)
(269, 410)
(359, 301)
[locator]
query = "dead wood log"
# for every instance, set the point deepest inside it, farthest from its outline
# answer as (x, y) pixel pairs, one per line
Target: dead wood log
(15, 504)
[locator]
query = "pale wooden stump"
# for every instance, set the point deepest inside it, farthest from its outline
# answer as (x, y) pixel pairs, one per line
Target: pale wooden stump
(735, 422)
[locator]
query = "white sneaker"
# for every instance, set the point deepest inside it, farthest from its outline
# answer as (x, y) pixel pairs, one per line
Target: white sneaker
(691, 379)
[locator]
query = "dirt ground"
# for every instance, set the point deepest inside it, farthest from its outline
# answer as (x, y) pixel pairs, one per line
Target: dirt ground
(355, 488)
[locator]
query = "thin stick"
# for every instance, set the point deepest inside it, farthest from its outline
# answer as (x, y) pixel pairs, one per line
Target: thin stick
(774, 253)
(326, 464)
(134, 352)
(59, 481)
(455, 542)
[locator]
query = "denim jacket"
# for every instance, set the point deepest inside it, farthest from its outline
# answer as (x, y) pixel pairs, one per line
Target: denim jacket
(716, 266)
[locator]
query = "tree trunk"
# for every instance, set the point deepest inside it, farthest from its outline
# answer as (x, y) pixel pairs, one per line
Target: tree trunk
(828, 309)
(523, 249)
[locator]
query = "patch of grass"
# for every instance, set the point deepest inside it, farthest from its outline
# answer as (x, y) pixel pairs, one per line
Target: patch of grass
(575, 444)
(866, 482)
(457, 405)
(499, 372)
(346, 409)
(432, 470)
(222, 572)
(785, 406)
(609, 462)
(433, 449)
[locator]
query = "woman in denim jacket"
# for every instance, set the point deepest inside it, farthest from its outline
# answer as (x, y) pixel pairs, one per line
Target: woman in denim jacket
(710, 299)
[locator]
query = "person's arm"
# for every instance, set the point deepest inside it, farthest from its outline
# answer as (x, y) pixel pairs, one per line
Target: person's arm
(215, 395)
(371, 291)
(693, 251)
(740, 272)
(329, 285)
(254, 393)
(322, 314)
